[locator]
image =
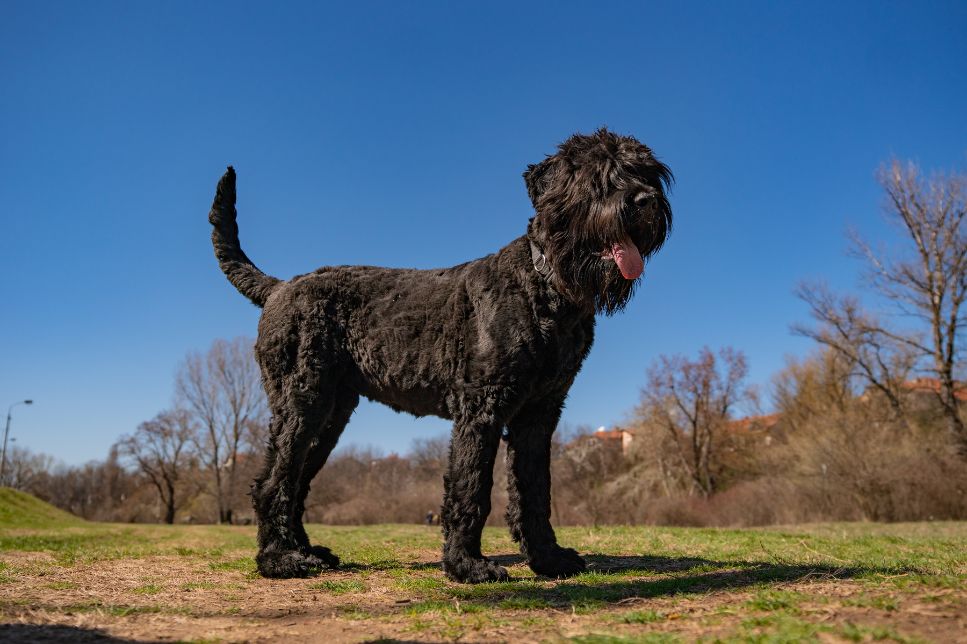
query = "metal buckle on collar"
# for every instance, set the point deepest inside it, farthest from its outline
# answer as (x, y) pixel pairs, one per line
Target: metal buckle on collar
(539, 260)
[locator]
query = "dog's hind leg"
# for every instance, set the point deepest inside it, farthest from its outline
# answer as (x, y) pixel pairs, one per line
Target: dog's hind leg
(529, 491)
(466, 502)
(319, 452)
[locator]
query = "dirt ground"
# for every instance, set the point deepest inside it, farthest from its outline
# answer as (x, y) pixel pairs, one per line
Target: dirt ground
(126, 583)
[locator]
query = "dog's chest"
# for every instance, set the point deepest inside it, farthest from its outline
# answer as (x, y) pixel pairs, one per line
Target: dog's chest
(564, 346)
(519, 349)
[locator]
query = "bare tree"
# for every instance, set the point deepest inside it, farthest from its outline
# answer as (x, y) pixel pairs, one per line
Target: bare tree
(24, 468)
(819, 385)
(160, 449)
(927, 282)
(223, 392)
(429, 456)
(866, 350)
(692, 401)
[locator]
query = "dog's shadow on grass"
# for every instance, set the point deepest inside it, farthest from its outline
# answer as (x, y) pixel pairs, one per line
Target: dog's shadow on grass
(57, 633)
(613, 579)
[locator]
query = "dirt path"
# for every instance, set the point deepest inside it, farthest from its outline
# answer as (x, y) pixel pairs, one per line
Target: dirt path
(169, 599)
(106, 588)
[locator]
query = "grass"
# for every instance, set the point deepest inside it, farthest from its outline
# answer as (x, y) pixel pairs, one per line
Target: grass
(641, 617)
(149, 589)
(774, 600)
(852, 582)
(21, 510)
(339, 587)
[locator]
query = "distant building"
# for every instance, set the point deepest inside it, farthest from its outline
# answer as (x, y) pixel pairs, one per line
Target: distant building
(762, 429)
(617, 439)
(920, 394)
(932, 385)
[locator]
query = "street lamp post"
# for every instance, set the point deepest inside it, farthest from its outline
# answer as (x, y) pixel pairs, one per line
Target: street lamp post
(6, 433)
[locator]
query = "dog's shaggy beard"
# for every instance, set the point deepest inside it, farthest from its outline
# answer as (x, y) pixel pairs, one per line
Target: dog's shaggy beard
(576, 253)
(596, 192)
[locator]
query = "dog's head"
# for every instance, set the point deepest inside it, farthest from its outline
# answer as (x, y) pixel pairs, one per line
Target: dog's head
(601, 210)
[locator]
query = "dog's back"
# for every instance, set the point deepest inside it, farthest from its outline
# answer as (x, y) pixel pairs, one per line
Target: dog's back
(419, 341)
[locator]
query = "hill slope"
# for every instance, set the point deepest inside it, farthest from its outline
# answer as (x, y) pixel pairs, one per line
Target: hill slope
(21, 510)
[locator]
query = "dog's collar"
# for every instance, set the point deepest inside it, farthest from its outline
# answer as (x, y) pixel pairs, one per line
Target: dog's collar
(539, 260)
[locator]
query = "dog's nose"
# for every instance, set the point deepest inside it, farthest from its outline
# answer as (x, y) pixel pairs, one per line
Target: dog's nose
(646, 200)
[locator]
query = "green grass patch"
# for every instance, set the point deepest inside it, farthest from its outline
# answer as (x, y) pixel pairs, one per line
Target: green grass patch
(784, 628)
(431, 606)
(860, 633)
(774, 600)
(524, 603)
(84, 544)
(492, 592)
(244, 565)
(778, 629)
(199, 585)
(114, 610)
(880, 602)
(182, 551)
(21, 510)
(420, 584)
(355, 613)
(339, 586)
(641, 617)
(915, 582)
(648, 638)
(148, 589)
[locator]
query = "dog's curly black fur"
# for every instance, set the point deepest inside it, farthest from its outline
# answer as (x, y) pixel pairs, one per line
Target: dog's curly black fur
(493, 345)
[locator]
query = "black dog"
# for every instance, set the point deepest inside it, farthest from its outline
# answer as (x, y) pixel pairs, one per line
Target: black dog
(493, 344)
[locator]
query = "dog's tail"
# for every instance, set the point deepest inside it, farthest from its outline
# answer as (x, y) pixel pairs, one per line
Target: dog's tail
(241, 272)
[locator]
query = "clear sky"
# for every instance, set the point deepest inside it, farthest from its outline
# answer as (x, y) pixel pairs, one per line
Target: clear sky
(395, 133)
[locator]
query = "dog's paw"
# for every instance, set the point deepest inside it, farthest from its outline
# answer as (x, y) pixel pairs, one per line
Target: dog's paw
(283, 564)
(321, 557)
(474, 571)
(557, 563)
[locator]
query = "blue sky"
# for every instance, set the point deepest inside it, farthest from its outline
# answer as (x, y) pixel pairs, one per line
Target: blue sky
(395, 133)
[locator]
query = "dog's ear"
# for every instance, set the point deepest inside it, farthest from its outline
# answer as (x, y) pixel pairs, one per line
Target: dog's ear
(536, 177)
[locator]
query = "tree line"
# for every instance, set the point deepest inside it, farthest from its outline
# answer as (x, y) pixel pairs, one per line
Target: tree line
(870, 426)
(194, 459)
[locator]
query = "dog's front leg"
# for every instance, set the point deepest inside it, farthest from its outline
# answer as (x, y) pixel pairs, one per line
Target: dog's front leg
(529, 491)
(466, 502)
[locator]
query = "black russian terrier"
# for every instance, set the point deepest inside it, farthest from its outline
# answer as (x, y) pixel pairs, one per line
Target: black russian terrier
(493, 345)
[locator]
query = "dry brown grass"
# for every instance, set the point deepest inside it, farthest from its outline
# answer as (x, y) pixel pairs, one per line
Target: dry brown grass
(197, 583)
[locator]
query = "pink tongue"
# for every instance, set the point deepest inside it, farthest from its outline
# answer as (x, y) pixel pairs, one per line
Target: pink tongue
(628, 259)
